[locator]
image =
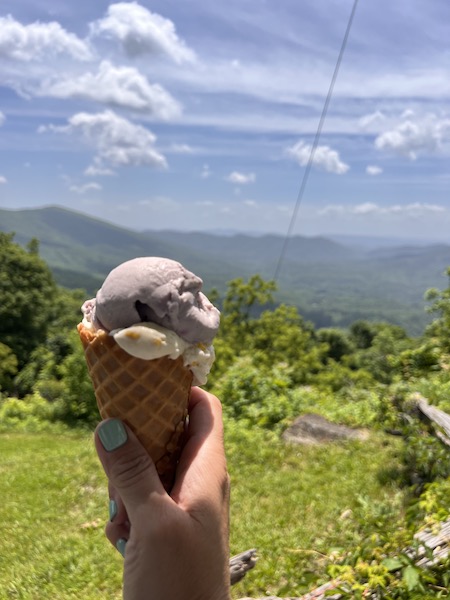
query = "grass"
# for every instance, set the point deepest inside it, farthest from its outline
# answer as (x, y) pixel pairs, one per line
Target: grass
(295, 504)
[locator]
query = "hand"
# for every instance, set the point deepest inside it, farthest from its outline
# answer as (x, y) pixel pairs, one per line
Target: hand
(175, 547)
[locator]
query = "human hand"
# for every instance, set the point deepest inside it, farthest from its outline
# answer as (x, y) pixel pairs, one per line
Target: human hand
(175, 547)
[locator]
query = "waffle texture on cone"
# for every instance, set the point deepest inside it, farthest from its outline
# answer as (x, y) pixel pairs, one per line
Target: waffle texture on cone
(151, 396)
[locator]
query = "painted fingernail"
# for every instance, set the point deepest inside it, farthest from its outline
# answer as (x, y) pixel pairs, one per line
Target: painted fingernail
(121, 545)
(112, 509)
(112, 434)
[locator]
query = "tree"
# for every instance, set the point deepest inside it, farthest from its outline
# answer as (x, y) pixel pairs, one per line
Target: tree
(243, 299)
(27, 293)
(440, 327)
(338, 342)
(8, 367)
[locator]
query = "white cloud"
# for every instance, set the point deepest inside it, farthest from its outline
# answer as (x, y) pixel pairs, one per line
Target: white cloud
(324, 157)
(38, 41)
(373, 170)
(3, 179)
(415, 135)
(367, 120)
(96, 171)
(142, 32)
(118, 141)
(2, 118)
(123, 87)
(414, 209)
(206, 172)
(251, 203)
(87, 187)
(181, 149)
(241, 178)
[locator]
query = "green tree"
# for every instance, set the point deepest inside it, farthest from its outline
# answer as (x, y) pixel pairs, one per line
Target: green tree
(27, 293)
(8, 367)
(338, 342)
(244, 299)
(440, 327)
(241, 306)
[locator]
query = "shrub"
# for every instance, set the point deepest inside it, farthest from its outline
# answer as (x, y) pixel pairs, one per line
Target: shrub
(32, 414)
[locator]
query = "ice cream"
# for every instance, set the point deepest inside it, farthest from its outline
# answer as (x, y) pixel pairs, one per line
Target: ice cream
(154, 307)
(148, 337)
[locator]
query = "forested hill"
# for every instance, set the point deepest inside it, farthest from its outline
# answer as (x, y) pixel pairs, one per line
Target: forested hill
(331, 283)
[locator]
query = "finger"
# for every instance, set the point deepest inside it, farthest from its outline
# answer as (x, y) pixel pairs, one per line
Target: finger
(117, 511)
(114, 533)
(202, 467)
(127, 465)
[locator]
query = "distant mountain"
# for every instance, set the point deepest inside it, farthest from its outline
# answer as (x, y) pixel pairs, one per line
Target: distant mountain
(332, 283)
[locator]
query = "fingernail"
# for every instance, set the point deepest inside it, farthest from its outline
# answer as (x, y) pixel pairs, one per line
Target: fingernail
(112, 509)
(112, 434)
(121, 545)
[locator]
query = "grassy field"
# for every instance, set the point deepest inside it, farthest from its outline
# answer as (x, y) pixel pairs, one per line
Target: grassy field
(295, 504)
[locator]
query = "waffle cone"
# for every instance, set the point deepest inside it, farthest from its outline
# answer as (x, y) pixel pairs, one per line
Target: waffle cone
(151, 396)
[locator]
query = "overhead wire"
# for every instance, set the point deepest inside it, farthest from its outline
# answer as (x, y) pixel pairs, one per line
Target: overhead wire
(315, 143)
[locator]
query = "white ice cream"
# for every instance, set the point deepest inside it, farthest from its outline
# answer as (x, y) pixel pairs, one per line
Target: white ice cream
(150, 341)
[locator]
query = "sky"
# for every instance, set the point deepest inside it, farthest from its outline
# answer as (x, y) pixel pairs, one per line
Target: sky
(200, 115)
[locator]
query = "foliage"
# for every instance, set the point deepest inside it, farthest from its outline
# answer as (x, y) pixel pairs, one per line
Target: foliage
(258, 397)
(8, 367)
(440, 327)
(27, 292)
(77, 403)
(32, 414)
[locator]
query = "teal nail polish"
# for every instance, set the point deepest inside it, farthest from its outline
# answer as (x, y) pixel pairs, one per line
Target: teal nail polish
(121, 545)
(112, 509)
(112, 434)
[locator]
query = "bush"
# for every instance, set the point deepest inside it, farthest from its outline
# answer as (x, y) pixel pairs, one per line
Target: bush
(32, 414)
(261, 397)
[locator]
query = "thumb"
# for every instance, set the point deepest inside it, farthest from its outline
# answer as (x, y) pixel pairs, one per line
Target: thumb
(127, 465)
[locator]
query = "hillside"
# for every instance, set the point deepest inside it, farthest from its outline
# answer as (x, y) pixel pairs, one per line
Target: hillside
(331, 283)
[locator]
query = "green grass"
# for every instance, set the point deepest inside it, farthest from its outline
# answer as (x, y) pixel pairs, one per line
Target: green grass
(53, 509)
(287, 501)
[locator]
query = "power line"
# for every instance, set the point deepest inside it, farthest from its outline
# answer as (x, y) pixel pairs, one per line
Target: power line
(316, 141)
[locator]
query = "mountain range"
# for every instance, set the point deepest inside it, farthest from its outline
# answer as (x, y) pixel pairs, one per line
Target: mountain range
(333, 283)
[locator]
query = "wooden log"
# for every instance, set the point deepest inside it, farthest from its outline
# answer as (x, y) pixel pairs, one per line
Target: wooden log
(437, 417)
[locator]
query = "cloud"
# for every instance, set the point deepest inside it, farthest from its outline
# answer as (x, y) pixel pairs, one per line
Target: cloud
(38, 41)
(96, 171)
(241, 178)
(181, 149)
(142, 32)
(415, 209)
(206, 172)
(123, 87)
(87, 187)
(3, 179)
(373, 170)
(2, 118)
(324, 157)
(415, 135)
(367, 120)
(118, 142)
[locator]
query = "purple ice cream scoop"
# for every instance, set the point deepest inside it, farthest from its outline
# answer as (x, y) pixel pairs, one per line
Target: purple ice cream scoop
(157, 290)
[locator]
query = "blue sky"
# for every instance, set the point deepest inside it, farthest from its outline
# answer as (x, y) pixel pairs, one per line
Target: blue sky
(200, 115)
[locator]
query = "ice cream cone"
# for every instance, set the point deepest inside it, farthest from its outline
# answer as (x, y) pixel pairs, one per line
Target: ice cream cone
(151, 396)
